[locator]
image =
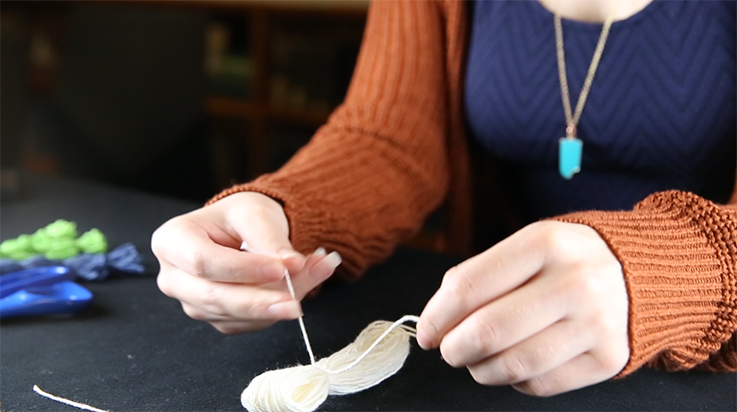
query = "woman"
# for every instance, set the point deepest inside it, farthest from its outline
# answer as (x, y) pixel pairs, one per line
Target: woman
(639, 264)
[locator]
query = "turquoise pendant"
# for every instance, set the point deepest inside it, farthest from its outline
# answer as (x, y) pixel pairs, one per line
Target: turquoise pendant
(569, 156)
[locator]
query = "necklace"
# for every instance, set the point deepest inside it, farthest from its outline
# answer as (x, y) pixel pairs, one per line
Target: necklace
(570, 148)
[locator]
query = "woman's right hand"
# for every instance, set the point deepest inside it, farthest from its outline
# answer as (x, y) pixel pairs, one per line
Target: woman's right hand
(235, 291)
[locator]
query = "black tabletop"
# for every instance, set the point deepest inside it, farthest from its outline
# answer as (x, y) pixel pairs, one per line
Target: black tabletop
(134, 349)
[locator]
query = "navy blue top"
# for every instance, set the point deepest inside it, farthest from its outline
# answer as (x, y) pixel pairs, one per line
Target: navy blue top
(661, 113)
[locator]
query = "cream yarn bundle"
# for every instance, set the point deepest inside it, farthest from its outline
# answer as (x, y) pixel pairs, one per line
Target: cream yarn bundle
(378, 352)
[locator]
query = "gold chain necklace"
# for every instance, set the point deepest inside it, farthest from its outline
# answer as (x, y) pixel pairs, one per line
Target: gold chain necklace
(570, 148)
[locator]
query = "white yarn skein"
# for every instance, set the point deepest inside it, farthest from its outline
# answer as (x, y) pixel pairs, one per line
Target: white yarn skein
(378, 352)
(380, 349)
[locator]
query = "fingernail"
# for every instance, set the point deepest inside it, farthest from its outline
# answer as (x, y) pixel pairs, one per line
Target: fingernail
(422, 339)
(288, 309)
(333, 259)
(271, 271)
(320, 252)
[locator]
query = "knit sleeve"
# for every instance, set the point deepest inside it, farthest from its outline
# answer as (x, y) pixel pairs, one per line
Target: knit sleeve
(368, 178)
(679, 254)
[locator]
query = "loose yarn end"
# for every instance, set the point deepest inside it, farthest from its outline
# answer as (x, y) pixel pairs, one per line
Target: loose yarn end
(65, 401)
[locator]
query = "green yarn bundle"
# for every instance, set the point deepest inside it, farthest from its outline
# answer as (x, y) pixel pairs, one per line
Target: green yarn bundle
(56, 241)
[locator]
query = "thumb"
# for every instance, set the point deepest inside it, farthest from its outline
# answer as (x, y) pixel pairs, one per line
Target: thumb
(268, 234)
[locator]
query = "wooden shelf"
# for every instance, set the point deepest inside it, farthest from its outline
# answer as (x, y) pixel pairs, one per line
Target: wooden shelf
(232, 107)
(334, 7)
(248, 110)
(257, 24)
(302, 118)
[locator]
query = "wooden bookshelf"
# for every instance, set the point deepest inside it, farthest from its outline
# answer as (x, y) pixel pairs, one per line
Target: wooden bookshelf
(262, 20)
(255, 108)
(315, 118)
(231, 107)
(218, 106)
(322, 7)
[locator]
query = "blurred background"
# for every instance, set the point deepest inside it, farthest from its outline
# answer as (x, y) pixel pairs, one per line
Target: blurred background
(178, 98)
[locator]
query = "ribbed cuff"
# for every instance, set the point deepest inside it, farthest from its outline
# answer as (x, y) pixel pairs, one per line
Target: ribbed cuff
(677, 252)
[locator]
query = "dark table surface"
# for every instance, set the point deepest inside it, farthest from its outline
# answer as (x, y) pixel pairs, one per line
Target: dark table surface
(134, 349)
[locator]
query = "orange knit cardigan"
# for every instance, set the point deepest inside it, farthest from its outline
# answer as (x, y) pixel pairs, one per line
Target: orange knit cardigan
(396, 149)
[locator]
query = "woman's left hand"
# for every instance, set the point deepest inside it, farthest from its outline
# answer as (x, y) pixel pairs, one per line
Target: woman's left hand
(545, 310)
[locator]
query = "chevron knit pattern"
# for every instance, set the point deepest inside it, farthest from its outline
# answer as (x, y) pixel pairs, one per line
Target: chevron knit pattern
(396, 149)
(660, 115)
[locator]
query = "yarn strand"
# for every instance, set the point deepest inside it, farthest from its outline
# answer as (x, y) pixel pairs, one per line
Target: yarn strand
(65, 401)
(246, 247)
(300, 319)
(401, 321)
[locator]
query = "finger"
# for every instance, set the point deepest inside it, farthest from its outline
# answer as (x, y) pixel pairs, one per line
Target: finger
(266, 231)
(535, 356)
(199, 314)
(319, 267)
(476, 282)
(197, 255)
(504, 322)
(233, 301)
(293, 262)
(315, 257)
(579, 372)
(232, 328)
